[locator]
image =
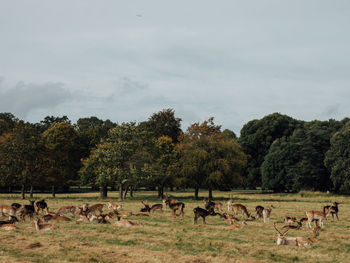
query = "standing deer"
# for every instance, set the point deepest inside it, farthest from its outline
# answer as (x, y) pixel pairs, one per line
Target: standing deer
(242, 208)
(311, 215)
(208, 204)
(333, 209)
(259, 211)
(176, 206)
(267, 213)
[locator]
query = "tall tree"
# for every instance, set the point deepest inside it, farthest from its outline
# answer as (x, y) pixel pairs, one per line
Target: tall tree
(209, 158)
(163, 123)
(21, 157)
(256, 139)
(62, 141)
(338, 159)
(48, 121)
(7, 122)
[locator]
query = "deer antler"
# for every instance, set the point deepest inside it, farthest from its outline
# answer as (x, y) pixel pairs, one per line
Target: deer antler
(274, 225)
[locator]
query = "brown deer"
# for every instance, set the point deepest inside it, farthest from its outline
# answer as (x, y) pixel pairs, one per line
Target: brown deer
(295, 241)
(6, 209)
(169, 200)
(267, 213)
(47, 218)
(238, 227)
(46, 227)
(94, 208)
(126, 223)
(176, 206)
(232, 219)
(259, 211)
(114, 206)
(67, 209)
(311, 215)
(242, 208)
(332, 209)
(208, 204)
(289, 220)
(153, 208)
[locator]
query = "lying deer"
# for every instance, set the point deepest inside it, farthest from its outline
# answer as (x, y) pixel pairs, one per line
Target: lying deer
(294, 241)
(126, 223)
(67, 209)
(289, 220)
(58, 218)
(94, 208)
(238, 227)
(103, 219)
(114, 206)
(6, 209)
(46, 227)
(11, 221)
(229, 218)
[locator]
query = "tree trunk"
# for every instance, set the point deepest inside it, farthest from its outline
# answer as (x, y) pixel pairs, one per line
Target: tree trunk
(31, 191)
(210, 193)
(171, 188)
(103, 192)
(131, 191)
(10, 189)
(196, 191)
(23, 192)
(53, 189)
(121, 191)
(126, 191)
(161, 192)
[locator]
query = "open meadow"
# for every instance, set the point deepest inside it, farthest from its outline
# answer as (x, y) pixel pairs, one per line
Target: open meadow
(164, 238)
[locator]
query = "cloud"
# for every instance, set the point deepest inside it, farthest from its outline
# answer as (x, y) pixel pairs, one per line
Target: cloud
(24, 98)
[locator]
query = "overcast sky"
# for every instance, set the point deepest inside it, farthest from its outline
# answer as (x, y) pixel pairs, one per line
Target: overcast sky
(124, 60)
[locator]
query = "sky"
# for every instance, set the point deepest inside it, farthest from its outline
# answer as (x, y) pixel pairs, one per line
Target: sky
(125, 60)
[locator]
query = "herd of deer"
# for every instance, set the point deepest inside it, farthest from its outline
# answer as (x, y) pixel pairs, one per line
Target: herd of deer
(87, 214)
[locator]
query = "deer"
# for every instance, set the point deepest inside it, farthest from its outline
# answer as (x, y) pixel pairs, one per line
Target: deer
(295, 241)
(103, 219)
(259, 211)
(67, 209)
(125, 223)
(11, 221)
(242, 208)
(42, 205)
(333, 209)
(238, 227)
(200, 212)
(176, 206)
(27, 210)
(8, 227)
(289, 220)
(311, 215)
(169, 200)
(229, 218)
(86, 217)
(57, 218)
(153, 208)
(208, 204)
(6, 209)
(46, 227)
(16, 206)
(95, 208)
(267, 213)
(230, 205)
(114, 206)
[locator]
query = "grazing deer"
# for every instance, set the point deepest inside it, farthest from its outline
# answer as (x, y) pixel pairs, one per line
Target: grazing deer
(42, 205)
(168, 201)
(126, 223)
(6, 209)
(114, 206)
(67, 209)
(149, 209)
(238, 227)
(46, 227)
(242, 208)
(200, 212)
(267, 213)
(333, 209)
(208, 204)
(259, 211)
(295, 241)
(311, 215)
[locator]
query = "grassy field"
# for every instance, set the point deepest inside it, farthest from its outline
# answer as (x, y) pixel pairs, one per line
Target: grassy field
(163, 238)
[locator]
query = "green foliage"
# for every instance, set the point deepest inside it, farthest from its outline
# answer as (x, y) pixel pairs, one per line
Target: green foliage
(209, 158)
(256, 139)
(338, 159)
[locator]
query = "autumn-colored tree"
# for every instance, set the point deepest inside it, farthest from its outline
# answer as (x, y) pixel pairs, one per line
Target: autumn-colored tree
(21, 157)
(209, 158)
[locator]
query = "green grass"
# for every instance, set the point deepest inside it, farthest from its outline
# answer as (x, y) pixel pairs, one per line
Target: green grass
(163, 238)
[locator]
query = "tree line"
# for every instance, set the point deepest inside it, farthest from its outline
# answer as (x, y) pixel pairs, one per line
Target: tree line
(276, 152)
